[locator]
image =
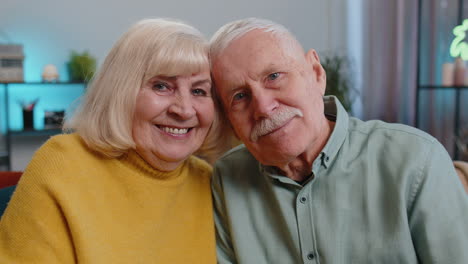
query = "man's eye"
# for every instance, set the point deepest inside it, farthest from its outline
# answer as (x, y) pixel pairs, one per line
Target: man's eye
(273, 76)
(199, 92)
(239, 96)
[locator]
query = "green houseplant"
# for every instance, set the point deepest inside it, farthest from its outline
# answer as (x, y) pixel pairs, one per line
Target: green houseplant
(81, 66)
(339, 79)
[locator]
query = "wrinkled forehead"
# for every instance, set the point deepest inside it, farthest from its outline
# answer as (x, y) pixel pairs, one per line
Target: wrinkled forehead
(243, 50)
(249, 40)
(252, 54)
(258, 43)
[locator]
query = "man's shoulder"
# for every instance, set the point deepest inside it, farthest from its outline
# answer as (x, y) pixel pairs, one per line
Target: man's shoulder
(238, 158)
(238, 153)
(399, 144)
(389, 131)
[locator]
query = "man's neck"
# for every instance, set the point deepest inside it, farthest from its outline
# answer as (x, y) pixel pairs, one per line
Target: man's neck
(297, 170)
(300, 168)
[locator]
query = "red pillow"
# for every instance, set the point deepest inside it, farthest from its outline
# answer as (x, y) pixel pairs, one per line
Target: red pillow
(9, 178)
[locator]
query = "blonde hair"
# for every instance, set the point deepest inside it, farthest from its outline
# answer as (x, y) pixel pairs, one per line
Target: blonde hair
(150, 47)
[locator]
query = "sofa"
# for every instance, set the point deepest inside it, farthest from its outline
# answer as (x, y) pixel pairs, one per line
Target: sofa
(8, 181)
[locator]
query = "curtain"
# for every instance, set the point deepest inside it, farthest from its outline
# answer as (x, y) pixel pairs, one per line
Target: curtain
(388, 74)
(389, 67)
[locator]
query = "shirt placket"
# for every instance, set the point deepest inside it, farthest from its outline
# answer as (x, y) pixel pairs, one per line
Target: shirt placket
(305, 226)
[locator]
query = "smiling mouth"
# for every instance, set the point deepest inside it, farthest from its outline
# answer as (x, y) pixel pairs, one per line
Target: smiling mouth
(174, 130)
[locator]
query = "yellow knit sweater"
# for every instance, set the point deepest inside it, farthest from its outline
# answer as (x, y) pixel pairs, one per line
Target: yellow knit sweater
(71, 205)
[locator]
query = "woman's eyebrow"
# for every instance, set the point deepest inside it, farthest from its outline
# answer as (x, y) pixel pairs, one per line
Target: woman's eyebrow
(202, 82)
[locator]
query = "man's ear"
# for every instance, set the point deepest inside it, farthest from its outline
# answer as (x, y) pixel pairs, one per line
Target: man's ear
(313, 61)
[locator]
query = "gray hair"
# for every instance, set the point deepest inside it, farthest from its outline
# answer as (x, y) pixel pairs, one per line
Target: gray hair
(236, 29)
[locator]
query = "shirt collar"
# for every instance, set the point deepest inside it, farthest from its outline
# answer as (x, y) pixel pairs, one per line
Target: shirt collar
(334, 111)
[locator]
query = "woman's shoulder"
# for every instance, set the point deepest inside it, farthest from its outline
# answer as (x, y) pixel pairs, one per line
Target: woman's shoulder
(60, 149)
(64, 142)
(56, 161)
(199, 166)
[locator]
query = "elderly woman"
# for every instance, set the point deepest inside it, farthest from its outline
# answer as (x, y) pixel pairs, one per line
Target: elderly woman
(125, 187)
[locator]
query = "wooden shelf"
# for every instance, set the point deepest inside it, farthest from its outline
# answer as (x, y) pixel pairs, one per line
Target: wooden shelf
(36, 132)
(5, 158)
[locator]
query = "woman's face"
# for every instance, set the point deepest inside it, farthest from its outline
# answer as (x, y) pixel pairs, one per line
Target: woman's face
(172, 117)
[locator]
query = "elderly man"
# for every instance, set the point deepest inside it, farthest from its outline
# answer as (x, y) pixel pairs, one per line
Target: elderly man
(313, 185)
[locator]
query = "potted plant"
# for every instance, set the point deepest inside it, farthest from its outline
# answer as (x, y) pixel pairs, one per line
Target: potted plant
(81, 66)
(339, 80)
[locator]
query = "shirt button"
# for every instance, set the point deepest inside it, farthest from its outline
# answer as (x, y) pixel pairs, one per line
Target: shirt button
(303, 199)
(311, 256)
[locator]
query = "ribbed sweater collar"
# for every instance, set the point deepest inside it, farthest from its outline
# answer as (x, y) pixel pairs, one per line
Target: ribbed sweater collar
(135, 162)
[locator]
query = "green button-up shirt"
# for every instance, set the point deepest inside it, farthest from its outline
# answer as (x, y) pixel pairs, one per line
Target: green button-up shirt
(381, 193)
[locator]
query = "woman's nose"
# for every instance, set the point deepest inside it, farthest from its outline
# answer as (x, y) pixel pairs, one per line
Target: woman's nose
(182, 107)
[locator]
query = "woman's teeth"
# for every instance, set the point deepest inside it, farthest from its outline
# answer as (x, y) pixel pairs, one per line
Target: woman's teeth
(175, 130)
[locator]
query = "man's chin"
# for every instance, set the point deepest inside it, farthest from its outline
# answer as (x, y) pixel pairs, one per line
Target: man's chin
(275, 152)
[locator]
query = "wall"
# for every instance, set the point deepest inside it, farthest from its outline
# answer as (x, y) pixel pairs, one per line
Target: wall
(50, 29)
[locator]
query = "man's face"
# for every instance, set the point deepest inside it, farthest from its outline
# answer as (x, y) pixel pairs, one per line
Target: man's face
(272, 94)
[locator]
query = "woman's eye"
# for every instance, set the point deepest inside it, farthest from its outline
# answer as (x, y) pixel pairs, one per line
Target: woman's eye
(199, 92)
(273, 76)
(160, 86)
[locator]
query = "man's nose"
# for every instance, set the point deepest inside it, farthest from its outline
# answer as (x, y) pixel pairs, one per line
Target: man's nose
(264, 104)
(182, 107)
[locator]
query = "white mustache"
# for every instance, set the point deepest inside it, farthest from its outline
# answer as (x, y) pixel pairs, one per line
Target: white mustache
(280, 117)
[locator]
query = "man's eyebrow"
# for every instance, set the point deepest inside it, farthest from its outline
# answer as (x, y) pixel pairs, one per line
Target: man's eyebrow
(271, 68)
(230, 88)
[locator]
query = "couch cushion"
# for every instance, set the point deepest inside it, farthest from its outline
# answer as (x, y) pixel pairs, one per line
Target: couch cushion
(9, 178)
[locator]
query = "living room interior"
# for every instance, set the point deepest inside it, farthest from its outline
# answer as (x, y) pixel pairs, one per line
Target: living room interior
(398, 63)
